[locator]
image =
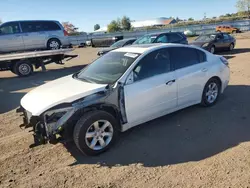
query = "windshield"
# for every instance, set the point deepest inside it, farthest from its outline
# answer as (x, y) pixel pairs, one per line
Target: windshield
(206, 38)
(108, 68)
(147, 39)
(118, 44)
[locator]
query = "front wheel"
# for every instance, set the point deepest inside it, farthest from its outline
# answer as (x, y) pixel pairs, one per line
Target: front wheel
(212, 50)
(231, 47)
(211, 92)
(95, 132)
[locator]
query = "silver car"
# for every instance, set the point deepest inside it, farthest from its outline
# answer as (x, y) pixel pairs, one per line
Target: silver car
(32, 35)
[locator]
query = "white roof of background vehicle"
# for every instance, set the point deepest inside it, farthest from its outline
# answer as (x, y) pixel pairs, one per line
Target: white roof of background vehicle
(147, 47)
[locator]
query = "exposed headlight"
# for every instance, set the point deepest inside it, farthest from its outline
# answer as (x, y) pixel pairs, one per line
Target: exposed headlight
(58, 116)
(205, 45)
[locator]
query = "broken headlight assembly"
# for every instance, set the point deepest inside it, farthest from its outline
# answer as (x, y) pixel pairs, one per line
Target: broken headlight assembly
(54, 119)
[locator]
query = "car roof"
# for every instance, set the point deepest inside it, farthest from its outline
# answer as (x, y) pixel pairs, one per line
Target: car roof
(31, 21)
(151, 34)
(142, 48)
(127, 39)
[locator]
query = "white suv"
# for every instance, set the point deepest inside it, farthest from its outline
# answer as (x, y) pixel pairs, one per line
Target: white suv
(122, 89)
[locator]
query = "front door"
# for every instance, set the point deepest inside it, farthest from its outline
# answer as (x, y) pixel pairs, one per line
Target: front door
(34, 35)
(153, 91)
(219, 44)
(10, 37)
(191, 69)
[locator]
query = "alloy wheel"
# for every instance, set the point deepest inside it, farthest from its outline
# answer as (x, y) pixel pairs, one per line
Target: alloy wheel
(99, 135)
(212, 92)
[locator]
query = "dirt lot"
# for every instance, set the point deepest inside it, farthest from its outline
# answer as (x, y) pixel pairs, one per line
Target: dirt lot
(195, 147)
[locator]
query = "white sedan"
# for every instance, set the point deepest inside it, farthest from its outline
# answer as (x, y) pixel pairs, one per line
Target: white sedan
(124, 88)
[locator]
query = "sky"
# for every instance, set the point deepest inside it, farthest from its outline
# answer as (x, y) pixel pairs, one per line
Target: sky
(84, 14)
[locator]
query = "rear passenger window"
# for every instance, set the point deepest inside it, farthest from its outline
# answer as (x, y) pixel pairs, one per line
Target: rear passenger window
(182, 57)
(37, 26)
(174, 37)
(31, 27)
(153, 64)
(51, 26)
(201, 56)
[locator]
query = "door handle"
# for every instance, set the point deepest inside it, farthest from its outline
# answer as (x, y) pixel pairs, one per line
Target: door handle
(204, 70)
(169, 83)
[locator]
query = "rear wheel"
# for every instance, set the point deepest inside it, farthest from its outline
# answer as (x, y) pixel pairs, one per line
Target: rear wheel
(22, 68)
(53, 44)
(95, 132)
(211, 92)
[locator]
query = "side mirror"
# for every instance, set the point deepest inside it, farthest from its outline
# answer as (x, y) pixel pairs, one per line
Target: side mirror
(130, 78)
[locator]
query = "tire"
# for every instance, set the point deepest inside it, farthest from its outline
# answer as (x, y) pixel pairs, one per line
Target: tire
(212, 49)
(53, 44)
(231, 46)
(205, 101)
(23, 68)
(86, 125)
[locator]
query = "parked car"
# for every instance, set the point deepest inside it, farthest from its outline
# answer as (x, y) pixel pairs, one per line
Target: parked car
(227, 29)
(122, 89)
(105, 42)
(32, 35)
(170, 37)
(215, 42)
(118, 44)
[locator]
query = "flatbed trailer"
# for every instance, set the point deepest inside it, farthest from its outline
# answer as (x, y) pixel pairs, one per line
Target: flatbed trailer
(22, 64)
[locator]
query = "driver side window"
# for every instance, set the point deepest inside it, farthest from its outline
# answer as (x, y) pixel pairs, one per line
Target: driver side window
(10, 28)
(153, 64)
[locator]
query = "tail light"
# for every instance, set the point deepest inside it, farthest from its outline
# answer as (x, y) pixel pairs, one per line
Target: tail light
(224, 61)
(65, 33)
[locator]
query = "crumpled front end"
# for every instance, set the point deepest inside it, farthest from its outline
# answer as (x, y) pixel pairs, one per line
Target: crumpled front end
(48, 127)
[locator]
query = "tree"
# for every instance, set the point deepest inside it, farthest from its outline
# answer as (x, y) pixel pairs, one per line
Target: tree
(69, 27)
(96, 27)
(114, 26)
(190, 19)
(1, 21)
(126, 23)
(243, 6)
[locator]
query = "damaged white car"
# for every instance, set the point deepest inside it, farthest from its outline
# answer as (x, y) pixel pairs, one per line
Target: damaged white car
(122, 89)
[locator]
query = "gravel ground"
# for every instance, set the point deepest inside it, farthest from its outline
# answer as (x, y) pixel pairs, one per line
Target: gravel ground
(195, 147)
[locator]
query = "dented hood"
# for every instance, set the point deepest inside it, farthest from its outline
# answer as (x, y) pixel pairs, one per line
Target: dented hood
(63, 90)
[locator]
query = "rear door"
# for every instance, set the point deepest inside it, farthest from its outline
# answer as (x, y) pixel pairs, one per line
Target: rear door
(10, 37)
(191, 69)
(34, 35)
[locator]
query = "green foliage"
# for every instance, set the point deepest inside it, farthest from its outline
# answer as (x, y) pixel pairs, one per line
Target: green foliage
(190, 19)
(126, 23)
(114, 26)
(96, 27)
(243, 6)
